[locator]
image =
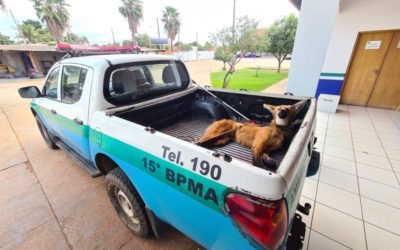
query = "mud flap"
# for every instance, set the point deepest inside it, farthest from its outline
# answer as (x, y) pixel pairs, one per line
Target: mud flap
(159, 227)
(313, 166)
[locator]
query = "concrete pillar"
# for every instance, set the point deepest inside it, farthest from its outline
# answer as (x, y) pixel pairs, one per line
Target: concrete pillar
(313, 34)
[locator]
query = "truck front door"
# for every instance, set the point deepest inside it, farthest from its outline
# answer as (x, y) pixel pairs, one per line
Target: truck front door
(73, 108)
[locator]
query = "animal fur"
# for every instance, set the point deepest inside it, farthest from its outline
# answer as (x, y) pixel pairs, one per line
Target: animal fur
(263, 140)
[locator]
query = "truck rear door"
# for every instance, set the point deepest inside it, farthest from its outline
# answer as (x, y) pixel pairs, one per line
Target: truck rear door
(75, 83)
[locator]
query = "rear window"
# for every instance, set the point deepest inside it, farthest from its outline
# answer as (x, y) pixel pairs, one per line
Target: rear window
(130, 83)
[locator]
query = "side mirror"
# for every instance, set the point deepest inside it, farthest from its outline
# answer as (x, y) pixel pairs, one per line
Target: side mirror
(29, 92)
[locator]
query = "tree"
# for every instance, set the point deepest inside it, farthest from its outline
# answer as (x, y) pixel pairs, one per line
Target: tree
(143, 40)
(2, 5)
(34, 32)
(76, 39)
(133, 11)
(55, 15)
(172, 23)
(5, 39)
(240, 40)
(29, 32)
(221, 54)
(280, 38)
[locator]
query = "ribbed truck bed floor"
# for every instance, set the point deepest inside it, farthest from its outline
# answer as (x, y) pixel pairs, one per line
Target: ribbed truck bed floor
(192, 129)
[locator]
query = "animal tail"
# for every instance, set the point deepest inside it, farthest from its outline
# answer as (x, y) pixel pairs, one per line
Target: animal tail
(217, 140)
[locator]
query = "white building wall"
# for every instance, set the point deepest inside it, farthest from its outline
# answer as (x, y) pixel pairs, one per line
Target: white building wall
(316, 21)
(356, 16)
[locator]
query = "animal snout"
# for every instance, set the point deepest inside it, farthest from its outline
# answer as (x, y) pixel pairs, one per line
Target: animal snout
(282, 113)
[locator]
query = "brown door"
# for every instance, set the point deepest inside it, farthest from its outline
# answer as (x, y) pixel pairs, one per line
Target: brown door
(386, 92)
(366, 63)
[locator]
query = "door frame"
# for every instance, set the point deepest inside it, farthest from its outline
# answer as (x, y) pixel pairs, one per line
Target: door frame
(353, 54)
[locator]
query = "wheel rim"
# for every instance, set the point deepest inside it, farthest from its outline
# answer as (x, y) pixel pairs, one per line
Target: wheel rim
(126, 206)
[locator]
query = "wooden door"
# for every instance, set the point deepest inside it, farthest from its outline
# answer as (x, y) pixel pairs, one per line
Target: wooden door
(386, 92)
(366, 63)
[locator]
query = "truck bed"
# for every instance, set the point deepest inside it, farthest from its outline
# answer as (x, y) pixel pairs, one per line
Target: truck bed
(191, 129)
(188, 117)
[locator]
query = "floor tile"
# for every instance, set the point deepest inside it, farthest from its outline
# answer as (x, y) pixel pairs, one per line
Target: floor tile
(381, 215)
(390, 144)
(339, 226)
(337, 163)
(378, 238)
(339, 179)
(379, 192)
(373, 160)
(339, 199)
(340, 127)
(393, 154)
(369, 149)
(337, 134)
(318, 241)
(364, 132)
(395, 165)
(310, 188)
(389, 136)
(365, 139)
(377, 174)
(339, 142)
(339, 152)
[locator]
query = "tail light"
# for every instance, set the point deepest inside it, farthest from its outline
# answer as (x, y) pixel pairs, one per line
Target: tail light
(264, 221)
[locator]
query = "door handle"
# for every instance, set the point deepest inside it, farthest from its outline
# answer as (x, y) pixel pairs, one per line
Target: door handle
(53, 111)
(78, 121)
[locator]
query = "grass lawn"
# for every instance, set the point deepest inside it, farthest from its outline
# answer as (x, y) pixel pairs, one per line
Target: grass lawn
(247, 79)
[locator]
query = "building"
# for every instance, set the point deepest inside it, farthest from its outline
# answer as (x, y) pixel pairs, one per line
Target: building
(29, 56)
(349, 48)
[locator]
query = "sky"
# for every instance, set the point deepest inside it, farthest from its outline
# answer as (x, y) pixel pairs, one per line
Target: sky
(202, 17)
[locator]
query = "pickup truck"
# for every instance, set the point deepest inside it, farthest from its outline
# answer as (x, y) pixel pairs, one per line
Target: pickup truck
(137, 118)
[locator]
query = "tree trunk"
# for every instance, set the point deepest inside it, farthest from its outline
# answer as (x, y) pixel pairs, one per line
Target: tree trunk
(171, 46)
(279, 66)
(224, 68)
(225, 83)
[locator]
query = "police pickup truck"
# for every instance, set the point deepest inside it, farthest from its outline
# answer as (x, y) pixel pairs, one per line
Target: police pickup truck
(136, 119)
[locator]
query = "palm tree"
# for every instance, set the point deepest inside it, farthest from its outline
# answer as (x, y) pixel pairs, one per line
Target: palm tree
(55, 14)
(133, 11)
(2, 5)
(171, 21)
(29, 32)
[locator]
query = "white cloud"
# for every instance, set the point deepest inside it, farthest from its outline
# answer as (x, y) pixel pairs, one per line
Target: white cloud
(94, 19)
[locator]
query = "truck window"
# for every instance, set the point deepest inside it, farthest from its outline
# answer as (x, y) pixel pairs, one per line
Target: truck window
(131, 83)
(51, 87)
(72, 81)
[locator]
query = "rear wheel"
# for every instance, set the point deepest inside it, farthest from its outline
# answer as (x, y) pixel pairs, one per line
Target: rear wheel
(47, 137)
(127, 202)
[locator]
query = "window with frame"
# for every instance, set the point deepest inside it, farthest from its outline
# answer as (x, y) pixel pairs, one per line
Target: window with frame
(72, 81)
(50, 89)
(126, 84)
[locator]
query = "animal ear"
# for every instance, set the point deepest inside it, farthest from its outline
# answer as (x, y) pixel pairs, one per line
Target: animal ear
(270, 108)
(299, 106)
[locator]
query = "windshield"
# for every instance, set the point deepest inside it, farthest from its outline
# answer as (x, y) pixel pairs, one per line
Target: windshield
(127, 84)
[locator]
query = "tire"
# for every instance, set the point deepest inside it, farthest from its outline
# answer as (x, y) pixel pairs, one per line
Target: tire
(47, 137)
(127, 203)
